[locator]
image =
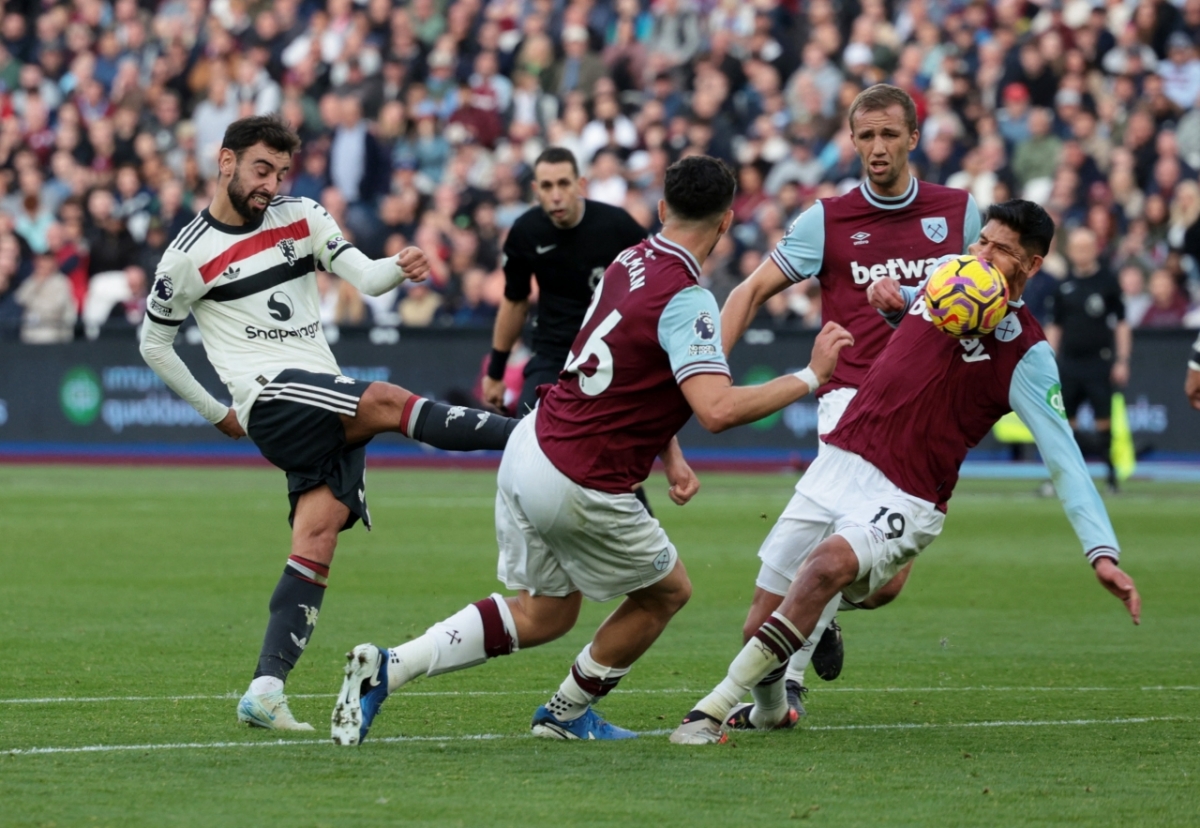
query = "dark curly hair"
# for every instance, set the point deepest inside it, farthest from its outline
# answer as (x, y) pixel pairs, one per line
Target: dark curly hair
(1032, 223)
(266, 129)
(699, 187)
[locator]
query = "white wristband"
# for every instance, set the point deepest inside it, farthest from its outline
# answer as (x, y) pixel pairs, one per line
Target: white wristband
(809, 377)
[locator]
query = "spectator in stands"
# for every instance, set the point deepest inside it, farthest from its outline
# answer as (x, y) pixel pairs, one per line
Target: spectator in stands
(1170, 303)
(48, 308)
(1133, 292)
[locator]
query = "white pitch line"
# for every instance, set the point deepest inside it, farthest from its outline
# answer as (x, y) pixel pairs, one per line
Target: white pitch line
(660, 691)
(487, 737)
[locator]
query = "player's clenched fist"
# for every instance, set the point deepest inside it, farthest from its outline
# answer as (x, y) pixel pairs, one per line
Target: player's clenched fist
(414, 264)
(830, 341)
(884, 295)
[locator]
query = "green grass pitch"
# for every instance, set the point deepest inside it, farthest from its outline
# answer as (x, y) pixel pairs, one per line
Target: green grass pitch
(1003, 688)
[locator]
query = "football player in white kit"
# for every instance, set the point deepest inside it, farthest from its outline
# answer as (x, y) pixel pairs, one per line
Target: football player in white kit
(246, 269)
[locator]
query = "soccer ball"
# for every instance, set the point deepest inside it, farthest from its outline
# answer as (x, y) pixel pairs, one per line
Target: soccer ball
(966, 297)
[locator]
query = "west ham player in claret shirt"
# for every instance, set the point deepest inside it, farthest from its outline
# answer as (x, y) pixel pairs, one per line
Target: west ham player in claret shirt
(891, 227)
(246, 268)
(568, 524)
(878, 495)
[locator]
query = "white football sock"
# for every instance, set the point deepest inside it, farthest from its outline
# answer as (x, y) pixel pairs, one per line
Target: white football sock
(573, 699)
(798, 663)
(770, 704)
(408, 661)
(756, 660)
(266, 684)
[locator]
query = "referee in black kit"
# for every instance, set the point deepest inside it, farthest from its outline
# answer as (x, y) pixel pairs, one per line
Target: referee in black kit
(1088, 331)
(567, 241)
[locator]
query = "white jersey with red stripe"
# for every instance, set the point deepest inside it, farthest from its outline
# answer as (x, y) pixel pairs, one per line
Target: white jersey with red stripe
(253, 291)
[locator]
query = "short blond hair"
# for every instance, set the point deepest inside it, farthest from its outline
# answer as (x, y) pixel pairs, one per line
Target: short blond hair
(878, 98)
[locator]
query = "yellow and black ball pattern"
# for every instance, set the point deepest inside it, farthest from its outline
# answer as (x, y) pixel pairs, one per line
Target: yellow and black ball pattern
(966, 297)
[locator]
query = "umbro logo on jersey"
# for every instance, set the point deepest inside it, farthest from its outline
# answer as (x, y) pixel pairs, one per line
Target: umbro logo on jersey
(546, 249)
(288, 248)
(860, 238)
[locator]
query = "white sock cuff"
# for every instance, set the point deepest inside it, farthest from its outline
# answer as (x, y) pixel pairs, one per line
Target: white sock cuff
(783, 621)
(510, 625)
(594, 668)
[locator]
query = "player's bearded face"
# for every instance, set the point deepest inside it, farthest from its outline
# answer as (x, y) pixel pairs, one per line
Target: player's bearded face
(250, 204)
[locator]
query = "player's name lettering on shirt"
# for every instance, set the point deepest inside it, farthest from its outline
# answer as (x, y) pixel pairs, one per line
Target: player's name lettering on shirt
(636, 267)
(892, 269)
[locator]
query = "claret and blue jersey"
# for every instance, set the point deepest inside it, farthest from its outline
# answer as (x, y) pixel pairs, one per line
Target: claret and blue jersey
(851, 241)
(929, 398)
(617, 405)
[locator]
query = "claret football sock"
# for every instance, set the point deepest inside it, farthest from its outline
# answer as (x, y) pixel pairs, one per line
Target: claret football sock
(588, 681)
(294, 606)
(454, 427)
(471, 636)
(766, 652)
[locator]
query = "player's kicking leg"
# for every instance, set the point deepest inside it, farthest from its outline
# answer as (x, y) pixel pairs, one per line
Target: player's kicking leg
(832, 566)
(385, 407)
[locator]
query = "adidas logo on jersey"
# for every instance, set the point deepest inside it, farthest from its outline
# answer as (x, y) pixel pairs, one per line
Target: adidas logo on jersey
(892, 269)
(231, 272)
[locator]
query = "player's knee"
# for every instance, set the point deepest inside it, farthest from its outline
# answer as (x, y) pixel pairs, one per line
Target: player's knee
(384, 400)
(677, 599)
(832, 565)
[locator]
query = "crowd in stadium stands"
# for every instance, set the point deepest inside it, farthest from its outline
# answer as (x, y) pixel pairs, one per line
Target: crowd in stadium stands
(420, 120)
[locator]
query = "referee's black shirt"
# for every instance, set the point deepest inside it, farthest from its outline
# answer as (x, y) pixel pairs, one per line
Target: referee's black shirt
(568, 265)
(1087, 310)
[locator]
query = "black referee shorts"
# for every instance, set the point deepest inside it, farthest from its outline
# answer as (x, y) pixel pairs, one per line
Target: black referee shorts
(539, 370)
(1090, 380)
(296, 425)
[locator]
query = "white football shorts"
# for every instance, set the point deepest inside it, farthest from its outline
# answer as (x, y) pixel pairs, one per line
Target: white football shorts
(830, 409)
(557, 537)
(843, 494)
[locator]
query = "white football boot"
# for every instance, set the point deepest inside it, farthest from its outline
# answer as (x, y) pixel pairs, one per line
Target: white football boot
(269, 710)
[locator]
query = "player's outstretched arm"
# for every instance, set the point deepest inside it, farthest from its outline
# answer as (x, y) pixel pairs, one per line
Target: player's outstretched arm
(744, 301)
(1033, 397)
(683, 481)
(1116, 581)
(719, 405)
